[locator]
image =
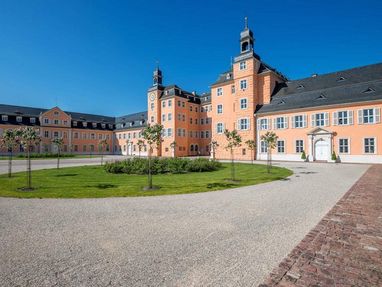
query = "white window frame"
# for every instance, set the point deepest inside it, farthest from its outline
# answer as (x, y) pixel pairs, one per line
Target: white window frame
(303, 121)
(19, 119)
(243, 84)
(243, 65)
(169, 116)
(240, 124)
(324, 119)
(298, 146)
(280, 125)
(263, 147)
(364, 145)
(245, 105)
(376, 116)
(219, 91)
(339, 119)
(218, 129)
(219, 111)
(283, 146)
(263, 124)
(348, 146)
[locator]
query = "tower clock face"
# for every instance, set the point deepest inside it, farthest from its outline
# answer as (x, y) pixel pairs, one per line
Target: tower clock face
(152, 97)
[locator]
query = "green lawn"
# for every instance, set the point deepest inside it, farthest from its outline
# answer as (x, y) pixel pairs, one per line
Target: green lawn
(93, 181)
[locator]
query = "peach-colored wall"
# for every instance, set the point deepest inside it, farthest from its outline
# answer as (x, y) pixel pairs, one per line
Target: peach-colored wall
(354, 132)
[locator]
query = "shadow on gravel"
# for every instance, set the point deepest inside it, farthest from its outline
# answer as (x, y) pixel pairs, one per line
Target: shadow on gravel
(308, 172)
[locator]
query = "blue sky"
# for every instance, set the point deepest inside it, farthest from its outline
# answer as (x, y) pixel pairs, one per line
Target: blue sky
(98, 56)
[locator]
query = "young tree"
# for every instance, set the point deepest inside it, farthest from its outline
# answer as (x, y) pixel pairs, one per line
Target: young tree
(9, 141)
(234, 140)
(213, 146)
(29, 137)
(153, 136)
(58, 142)
(270, 139)
(173, 148)
(140, 144)
(251, 146)
(102, 144)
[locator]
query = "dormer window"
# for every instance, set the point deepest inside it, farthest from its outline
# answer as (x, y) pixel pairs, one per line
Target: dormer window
(341, 79)
(85, 124)
(4, 118)
(32, 120)
(110, 126)
(103, 126)
(19, 119)
(228, 76)
(299, 87)
(368, 90)
(321, 97)
(94, 125)
(74, 124)
(56, 113)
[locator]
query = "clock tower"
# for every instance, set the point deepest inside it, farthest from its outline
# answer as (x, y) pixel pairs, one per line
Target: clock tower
(154, 94)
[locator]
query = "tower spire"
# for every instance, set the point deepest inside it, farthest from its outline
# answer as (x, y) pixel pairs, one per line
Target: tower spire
(245, 22)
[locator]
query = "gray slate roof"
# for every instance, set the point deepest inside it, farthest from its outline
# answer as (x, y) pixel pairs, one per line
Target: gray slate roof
(349, 86)
(132, 121)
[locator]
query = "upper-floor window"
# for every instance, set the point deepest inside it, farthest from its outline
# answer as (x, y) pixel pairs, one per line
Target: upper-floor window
(219, 128)
(202, 121)
(46, 121)
(46, 134)
(233, 89)
(299, 121)
(243, 124)
(207, 121)
(183, 104)
(183, 117)
(190, 108)
(169, 117)
(152, 106)
(32, 120)
(243, 84)
(191, 121)
(281, 123)
(163, 104)
(243, 104)
(243, 65)
(369, 116)
(196, 109)
(263, 124)
(179, 103)
(196, 121)
(219, 91)
(169, 103)
(163, 117)
(219, 109)
(19, 119)
(343, 118)
(56, 113)
(4, 118)
(369, 145)
(152, 119)
(320, 119)
(56, 122)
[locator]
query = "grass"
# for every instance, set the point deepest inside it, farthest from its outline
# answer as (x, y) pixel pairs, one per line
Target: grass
(93, 181)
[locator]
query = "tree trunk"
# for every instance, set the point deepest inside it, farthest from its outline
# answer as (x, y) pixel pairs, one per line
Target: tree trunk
(269, 160)
(58, 158)
(101, 157)
(29, 170)
(10, 163)
(150, 177)
(232, 165)
(252, 156)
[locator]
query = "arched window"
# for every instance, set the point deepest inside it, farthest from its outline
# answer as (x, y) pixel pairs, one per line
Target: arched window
(244, 46)
(196, 147)
(192, 148)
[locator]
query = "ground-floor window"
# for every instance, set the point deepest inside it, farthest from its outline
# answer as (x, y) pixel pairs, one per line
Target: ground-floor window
(280, 146)
(343, 145)
(76, 148)
(92, 148)
(369, 145)
(299, 146)
(263, 147)
(84, 148)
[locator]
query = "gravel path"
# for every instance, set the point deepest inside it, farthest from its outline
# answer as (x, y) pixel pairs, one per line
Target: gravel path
(224, 238)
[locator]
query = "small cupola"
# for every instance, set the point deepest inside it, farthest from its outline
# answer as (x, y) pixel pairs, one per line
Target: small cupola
(246, 38)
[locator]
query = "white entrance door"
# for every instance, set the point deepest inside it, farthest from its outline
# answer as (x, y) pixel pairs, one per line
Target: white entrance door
(322, 150)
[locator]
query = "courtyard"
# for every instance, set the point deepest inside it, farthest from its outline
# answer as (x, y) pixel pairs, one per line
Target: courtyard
(232, 237)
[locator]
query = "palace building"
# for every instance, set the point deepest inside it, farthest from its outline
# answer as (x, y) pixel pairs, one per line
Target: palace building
(336, 113)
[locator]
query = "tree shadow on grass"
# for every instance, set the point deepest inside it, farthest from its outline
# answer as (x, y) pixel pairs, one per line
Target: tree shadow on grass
(220, 185)
(103, 185)
(67, 174)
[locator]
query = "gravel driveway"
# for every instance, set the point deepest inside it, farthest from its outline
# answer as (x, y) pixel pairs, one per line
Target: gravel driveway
(223, 238)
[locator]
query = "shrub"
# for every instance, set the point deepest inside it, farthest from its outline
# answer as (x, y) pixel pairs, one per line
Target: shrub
(334, 156)
(45, 155)
(303, 155)
(162, 165)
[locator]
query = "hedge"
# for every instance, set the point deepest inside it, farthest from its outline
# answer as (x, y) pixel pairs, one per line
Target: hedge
(162, 165)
